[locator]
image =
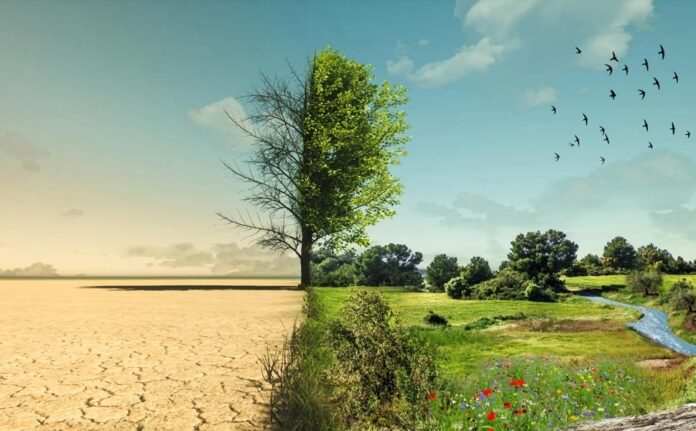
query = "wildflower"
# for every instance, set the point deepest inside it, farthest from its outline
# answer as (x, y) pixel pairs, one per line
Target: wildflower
(463, 406)
(518, 383)
(491, 416)
(487, 392)
(519, 411)
(432, 395)
(508, 405)
(573, 418)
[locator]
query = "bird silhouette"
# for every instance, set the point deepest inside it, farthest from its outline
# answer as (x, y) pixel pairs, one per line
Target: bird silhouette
(688, 134)
(642, 94)
(606, 139)
(577, 140)
(656, 83)
(584, 118)
(613, 57)
(612, 94)
(553, 109)
(645, 125)
(650, 145)
(625, 68)
(661, 52)
(556, 156)
(578, 50)
(672, 128)
(645, 63)
(602, 130)
(571, 144)
(676, 77)
(609, 68)
(602, 159)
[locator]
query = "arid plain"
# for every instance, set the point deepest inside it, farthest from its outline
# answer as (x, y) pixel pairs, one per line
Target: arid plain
(138, 354)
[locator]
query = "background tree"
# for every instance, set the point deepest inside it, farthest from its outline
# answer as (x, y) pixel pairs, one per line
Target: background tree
(653, 257)
(541, 256)
(644, 282)
(682, 296)
(324, 142)
(441, 270)
(389, 265)
(477, 271)
(619, 254)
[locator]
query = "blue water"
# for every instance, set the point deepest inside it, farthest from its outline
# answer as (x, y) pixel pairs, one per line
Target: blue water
(653, 325)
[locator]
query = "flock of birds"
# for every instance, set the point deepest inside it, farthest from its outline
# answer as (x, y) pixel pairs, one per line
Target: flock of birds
(612, 94)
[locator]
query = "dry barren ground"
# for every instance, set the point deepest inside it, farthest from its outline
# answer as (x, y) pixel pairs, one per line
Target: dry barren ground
(132, 358)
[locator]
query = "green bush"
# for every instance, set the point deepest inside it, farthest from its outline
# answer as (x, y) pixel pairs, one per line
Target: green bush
(441, 270)
(682, 297)
(644, 282)
(389, 265)
(508, 284)
(458, 287)
(382, 374)
(534, 292)
(433, 318)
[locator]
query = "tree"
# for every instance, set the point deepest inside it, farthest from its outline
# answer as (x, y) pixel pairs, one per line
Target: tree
(619, 254)
(644, 282)
(541, 256)
(682, 296)
(389, 265)
(652, 257)
(324, 142)
(441, 270)
(477, 271)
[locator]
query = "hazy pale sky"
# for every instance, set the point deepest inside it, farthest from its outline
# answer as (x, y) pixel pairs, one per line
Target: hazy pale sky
(112, 131)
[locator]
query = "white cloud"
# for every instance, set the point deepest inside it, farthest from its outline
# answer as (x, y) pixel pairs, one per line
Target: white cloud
(214, 116)
(402, 67)
(540, 96)
(423, 42)
(19, 149)
(37, 269)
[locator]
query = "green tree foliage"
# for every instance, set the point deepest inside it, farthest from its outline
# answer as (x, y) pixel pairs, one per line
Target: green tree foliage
(441, 270)
(458, 287)
(389, 265)
(682, 297)
(644, 282)
(382, 373)
(652, 257)
(619, 254)
(330, 269)
(477, 271)
(325, 141)
(541, 256)
(507, 284)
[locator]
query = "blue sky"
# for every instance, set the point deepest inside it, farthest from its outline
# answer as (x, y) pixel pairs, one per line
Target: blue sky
(112, 133)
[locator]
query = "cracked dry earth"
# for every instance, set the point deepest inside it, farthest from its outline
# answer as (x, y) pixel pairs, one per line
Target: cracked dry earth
(74, 358)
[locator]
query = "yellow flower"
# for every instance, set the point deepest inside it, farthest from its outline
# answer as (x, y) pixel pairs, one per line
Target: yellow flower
(573, 418)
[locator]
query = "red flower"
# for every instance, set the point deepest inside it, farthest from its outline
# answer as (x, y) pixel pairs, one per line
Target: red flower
(519, 412)
(491, 429)
(432, 395)
(508, 405)
(487, 392)
(517, 383)
(491, 416)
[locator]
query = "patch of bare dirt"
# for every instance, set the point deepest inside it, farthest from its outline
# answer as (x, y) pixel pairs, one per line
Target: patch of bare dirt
(662, 364)
(569, 325)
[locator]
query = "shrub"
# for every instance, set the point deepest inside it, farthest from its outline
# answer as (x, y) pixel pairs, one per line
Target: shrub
(477, 271)
(382, 373)
(508, 284)
(644, 282)
(682, 297)
(433, 318)
(441, 270)
(542, 256)
(329, 269)
(458, 287)
(534, 292)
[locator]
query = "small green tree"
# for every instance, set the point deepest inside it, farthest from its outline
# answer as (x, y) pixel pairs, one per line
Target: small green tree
(458, 288)
(477, 271)
(652, 257)
(682, 296)
(619, 254)
(542, 256)
(644, 282)
(389, 265)
(441, 270)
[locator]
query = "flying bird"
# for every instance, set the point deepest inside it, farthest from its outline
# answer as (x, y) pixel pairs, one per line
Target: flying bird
(571, 144)
(625, 68)
(602, 159)
(578, 50)
(553, 109)
(606, 139)
(642, 94)
(584, 118)
(676, 77)
(613, 57)
(556, 156)
(688, 134)
(661, 52)
(645, 63)
(645, 125)
(656, 83)
(609, 68)
(650, 145)
(612, 94)
(602, 130)
(577, 140)
(672, 128)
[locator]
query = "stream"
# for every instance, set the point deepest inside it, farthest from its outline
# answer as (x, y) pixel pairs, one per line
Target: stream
(653, 325)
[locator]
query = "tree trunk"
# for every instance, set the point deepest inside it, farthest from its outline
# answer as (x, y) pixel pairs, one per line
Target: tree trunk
(305, 263)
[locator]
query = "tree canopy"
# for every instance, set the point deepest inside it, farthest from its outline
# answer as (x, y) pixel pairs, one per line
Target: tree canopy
(541, 256)
(620, 254)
